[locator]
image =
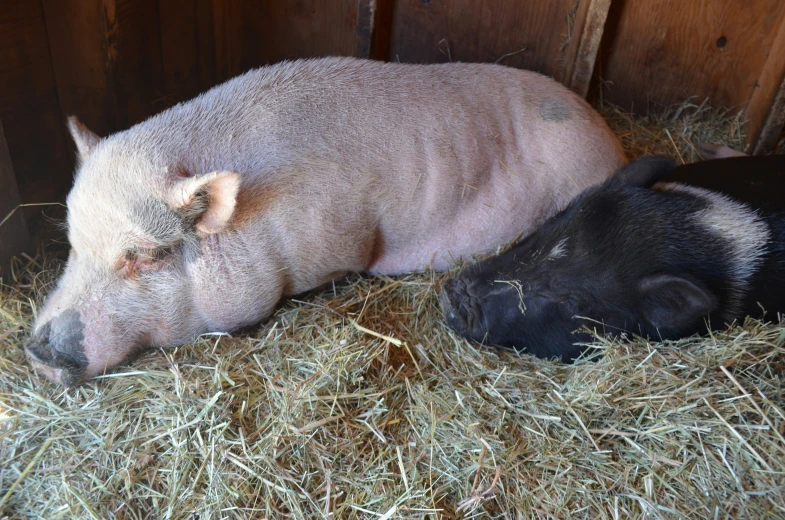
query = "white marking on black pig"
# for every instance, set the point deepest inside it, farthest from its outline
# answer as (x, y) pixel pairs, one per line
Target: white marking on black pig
(740, 227)
(559, 250)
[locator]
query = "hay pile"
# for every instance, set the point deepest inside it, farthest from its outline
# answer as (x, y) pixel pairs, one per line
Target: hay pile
(356, 402)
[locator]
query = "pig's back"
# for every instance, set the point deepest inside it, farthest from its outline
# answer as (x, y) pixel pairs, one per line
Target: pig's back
(448, 160)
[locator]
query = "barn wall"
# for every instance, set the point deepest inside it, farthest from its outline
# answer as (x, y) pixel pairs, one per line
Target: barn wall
(29, 107)
(662, 52)
(115, 62)
(13, 231)
(530, 35)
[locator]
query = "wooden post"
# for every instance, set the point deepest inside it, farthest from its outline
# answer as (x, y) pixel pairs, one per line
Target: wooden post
(766, 109)
(366, 11)
(584, 44)
(13, 231)
(374, 24)
(107, 61)
(36, 136)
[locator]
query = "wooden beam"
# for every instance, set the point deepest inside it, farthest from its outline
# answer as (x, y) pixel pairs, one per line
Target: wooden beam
(13, 230)
(81, 68)
(373, 31)
(382, 29)
(766, 109)
(656, 54)
(512, 33)
(29, 108)
(107, 60)
(366, 10)
(584, 44)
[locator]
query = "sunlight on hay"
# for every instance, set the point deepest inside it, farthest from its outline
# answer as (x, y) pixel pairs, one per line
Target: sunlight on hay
(356, 402)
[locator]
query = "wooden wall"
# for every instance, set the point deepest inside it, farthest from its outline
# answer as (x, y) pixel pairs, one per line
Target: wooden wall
(661, 52)
(115, 62)
(13, 229)
(29, 108)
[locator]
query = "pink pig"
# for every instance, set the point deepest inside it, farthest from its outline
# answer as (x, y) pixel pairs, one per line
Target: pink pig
(203, 217)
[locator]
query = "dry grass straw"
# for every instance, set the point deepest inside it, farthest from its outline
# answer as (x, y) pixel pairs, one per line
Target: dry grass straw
(356, 402)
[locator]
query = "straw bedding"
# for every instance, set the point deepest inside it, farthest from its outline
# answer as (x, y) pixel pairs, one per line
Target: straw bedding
(357, 402)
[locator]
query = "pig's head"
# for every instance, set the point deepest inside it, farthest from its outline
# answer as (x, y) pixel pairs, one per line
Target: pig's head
(136, 225)
(622, 257)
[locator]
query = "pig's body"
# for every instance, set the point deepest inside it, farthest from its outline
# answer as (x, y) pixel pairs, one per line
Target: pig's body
(320, 168)
(668, 260)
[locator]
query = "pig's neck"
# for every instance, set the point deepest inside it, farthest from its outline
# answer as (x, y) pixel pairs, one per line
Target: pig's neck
(241, 275)
(233, 284)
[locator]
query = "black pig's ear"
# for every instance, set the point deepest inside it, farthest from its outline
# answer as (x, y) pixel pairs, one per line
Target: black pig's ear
(643, 172)
(674, 304)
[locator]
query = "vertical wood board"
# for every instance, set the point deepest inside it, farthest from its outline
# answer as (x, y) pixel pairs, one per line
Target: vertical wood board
(134, 57)
(29, 108)
(77, 35)
(107, 60)
(663, 52)
(766, 109)
(251, 34)
(531, 35)
(584, 44)
(180, 49)
(13, 229)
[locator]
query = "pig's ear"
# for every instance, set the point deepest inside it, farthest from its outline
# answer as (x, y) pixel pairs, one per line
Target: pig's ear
(84, 138)
(644, 172)
(674, 303)
(207, 202)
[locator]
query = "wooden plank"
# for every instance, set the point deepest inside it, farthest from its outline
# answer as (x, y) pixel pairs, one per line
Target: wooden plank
(365, 28)
(382, 30)
(251, 33)
(528, 35)
(372, 34)
(14, 238)
(180, 49)
(661, 53)
(76, 31)
(766, 110)
(584, 44)
(134, 56)
(29, 109)
(206, 44)
(222, 30)
(107, 60)
(188, 47)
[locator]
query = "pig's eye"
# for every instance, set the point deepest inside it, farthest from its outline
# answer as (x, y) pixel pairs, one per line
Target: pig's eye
(139, 260)
(159, 253)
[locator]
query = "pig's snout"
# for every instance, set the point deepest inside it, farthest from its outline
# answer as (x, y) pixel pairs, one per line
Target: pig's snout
(57, 351)
(459, 308)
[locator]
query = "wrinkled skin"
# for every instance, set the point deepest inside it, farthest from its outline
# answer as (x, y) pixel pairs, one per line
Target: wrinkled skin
(202, 218)
(663, 262)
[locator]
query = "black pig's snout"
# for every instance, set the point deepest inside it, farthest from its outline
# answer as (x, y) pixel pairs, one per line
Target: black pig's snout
(58, 344)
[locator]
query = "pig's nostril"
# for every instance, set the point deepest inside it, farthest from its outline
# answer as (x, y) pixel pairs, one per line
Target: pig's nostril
(39, 349)
(457, 305)
(58, 343)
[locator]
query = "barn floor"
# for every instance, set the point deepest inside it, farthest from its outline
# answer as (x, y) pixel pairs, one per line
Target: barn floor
(356, 402)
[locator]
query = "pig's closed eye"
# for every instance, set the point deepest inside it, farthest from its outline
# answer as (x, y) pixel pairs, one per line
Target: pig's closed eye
(139, 260)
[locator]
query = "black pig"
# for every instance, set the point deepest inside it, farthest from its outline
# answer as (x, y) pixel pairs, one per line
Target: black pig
(635, 255)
